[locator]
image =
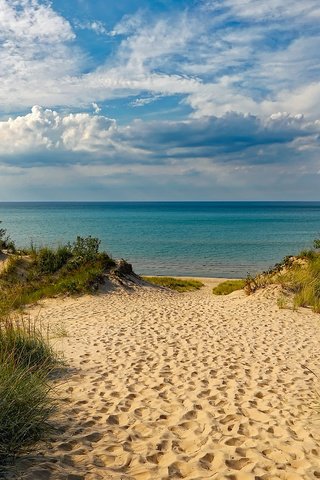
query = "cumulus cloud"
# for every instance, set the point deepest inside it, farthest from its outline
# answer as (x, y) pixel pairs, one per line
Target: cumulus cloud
(96, 139)
(45, 130)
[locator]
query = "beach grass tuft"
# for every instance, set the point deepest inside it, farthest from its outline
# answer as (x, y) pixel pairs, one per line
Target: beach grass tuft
(26, 394)
(177, 284)
(228, 286)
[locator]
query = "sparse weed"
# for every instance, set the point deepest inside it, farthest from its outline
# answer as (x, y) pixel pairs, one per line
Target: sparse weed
(282, 302)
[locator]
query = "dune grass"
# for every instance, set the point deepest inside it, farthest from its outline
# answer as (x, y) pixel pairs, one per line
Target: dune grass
(177, 284)
(37, 274)
(26, 399)
(304, 281)
(228, 286)
(298, 275)
(26, 357)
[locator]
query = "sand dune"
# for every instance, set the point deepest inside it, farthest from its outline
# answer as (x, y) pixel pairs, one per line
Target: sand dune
(183, 386)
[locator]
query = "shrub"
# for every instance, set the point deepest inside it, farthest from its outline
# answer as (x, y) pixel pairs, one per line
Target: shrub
(5, 241)
(49, 261)
(86, 248)
(62, 254)
(316, 243)
(228, 286)
(46, 260)
(307, 254)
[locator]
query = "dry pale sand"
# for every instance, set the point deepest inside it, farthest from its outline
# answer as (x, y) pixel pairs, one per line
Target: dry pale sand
(183, 386)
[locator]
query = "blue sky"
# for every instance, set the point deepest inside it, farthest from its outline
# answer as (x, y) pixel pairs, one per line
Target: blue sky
(161, 100)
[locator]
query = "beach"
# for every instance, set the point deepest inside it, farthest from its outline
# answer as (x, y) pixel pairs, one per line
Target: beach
(162, 385)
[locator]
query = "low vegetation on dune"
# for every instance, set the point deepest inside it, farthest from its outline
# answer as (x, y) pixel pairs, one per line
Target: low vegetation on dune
(5, 241)
(228, 286)
(178, 284)
(298, 275)
(27, 398)
(45, 272)
(26, 395)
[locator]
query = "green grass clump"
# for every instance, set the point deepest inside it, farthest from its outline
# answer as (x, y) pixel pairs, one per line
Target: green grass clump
(180, 285)
(26, 400)
(26, 344)
(228, 286)
(304, 281)
(25, 408)
(50, 261)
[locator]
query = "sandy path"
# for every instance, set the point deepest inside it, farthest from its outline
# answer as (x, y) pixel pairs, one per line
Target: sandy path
(184, 386)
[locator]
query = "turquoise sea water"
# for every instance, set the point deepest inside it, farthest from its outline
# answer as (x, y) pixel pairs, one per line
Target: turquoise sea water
(214, 239)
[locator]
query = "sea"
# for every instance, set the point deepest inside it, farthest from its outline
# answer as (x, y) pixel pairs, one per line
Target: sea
(202, 239)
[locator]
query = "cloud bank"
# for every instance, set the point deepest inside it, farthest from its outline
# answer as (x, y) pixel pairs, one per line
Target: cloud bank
(227, 90)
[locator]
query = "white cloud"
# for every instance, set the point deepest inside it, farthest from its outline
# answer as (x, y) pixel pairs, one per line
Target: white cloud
(35, 54)
(217, 67)
(93, 139)
(96, 26)
(29, 20)
(259, 10)
(141, 102)
(96, 107)
(45, 130)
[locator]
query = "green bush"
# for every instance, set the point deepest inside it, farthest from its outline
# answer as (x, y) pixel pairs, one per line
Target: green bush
(316, 243)
(46, 260)
(5, 241)
(63, 255)
(50, 261)
(86, 248)
(308, 254)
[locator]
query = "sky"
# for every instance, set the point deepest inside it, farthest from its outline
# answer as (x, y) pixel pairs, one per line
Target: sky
(159, 100)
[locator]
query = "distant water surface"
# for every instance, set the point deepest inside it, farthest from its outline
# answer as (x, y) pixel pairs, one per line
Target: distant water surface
(213, 239)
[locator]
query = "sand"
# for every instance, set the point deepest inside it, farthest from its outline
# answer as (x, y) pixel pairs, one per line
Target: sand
(191, 386)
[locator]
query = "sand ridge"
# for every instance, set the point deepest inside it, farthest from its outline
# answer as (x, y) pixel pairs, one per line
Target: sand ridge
(183, 386)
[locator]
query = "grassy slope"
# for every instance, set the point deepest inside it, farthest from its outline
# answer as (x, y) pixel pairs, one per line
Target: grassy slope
(180, 285)
(228, 286)
(24, 283)
(299, 275)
